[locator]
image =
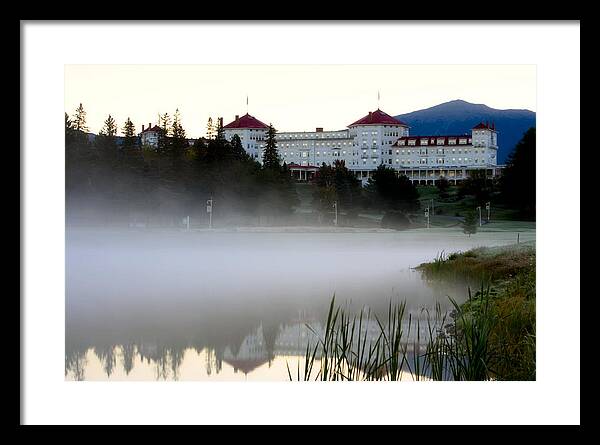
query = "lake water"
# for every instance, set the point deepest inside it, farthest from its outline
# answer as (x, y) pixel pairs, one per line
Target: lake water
(170, 305)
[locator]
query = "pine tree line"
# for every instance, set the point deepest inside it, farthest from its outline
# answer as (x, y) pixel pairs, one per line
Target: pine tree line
(118, 180)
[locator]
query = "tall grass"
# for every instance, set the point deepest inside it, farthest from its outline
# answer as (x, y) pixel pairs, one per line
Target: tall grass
(490, 336)
(450, 351)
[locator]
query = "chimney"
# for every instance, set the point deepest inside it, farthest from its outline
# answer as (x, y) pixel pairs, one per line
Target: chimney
(370, 113)
(319, 130)
(237, 117)
(149, 125)
(221, 122)
(142, 128)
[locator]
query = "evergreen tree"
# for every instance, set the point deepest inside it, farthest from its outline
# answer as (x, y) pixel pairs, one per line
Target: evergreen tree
(347, 185)
(79, 121)
(79, 126)
(517, 183)
(340, 181)
(270, 154)
(178, 138)
(164, 123)
(69, 131)
(469, 224)
(107, 136)
(478, 185)
(388, 190)
(130, 137)
(237, 149)
(442, 185)
(110, 127)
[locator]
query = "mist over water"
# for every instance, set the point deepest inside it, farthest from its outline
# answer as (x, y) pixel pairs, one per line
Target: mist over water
(168, 304)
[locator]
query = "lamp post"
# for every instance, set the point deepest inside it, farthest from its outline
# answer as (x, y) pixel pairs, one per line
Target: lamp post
(488, 208)
(427, 216)
(479, 208)
(209, 204)
(335, 221)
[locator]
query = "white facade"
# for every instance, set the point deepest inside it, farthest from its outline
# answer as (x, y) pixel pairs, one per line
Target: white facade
(314, 148)
(380, 139)
(149, 136)
(252, 139)
(373, 144)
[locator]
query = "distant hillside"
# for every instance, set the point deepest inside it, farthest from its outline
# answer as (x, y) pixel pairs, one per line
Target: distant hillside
(458, 117)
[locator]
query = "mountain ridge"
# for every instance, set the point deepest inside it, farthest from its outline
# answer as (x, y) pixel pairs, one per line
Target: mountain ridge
(458, 116)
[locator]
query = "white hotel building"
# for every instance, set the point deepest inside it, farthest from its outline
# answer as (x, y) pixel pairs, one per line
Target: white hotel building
(375, 139)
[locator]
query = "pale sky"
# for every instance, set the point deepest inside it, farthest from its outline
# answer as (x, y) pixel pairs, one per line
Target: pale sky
(291, 97)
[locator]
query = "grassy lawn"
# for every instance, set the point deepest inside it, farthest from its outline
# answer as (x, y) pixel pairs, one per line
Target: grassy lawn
(447, 212)
(455, 206)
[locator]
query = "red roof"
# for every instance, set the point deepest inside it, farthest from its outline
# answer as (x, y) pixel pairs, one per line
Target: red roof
(246, 121)
(485, 126)
(432, 140)
(378, 117)
(155, 128)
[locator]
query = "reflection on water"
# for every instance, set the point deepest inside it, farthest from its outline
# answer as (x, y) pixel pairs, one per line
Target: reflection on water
(228, 306)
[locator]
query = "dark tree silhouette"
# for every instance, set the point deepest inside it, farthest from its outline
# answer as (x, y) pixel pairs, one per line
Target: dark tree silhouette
(442, 185)
(270, 153)
(469, 224)
(388, 190)
(517, 183)
(130, 138)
